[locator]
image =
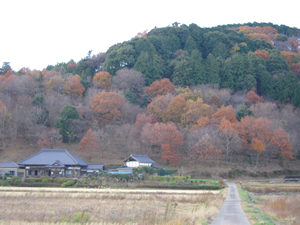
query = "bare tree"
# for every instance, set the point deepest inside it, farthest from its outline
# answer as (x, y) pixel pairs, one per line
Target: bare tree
(129, 79)
(54, 104)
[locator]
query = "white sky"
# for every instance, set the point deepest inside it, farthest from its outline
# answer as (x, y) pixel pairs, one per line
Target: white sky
(38, 33)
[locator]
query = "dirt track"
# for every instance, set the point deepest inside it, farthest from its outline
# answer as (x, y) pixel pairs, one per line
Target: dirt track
(105, 190)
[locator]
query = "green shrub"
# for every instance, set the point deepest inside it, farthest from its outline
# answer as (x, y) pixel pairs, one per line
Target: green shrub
(61, 180)
(45, 180)
(12, 181)
(33, 180)
(17, 182)
(68, 183)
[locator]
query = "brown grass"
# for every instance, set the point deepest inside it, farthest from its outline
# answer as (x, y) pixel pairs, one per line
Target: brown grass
(106, 208)
(272, 188)
(283, 207)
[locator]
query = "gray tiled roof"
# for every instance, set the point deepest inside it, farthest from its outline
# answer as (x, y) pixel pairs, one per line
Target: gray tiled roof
(154, 165)
(9, 165)
(140, 158)
(95, 167)
(50, 156)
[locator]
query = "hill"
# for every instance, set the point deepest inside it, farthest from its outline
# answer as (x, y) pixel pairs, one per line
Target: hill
(189, 97)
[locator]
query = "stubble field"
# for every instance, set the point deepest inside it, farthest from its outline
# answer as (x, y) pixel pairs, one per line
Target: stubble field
(83, 206)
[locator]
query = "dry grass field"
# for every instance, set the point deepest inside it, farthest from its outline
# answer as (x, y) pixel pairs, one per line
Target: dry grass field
(272, 203)
(113, 207)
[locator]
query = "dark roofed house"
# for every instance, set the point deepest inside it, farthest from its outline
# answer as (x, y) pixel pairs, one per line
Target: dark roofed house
(10, 168)
(91, 168)
(55, 162)
(140, 160)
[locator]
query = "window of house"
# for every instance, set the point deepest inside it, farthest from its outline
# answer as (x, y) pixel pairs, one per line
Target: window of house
(12, 173)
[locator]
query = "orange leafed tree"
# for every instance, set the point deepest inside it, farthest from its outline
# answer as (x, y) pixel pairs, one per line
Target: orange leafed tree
(226, 113)
(175, 109)
(102, 80)
(196, 110)
(202, 122)
(142, 34)
(253, 98)
(251, 128)
(159, 107)
(75, 88)
(262, 54)
(107, 105)
(160, 88)
(261, 36)
(88, 144)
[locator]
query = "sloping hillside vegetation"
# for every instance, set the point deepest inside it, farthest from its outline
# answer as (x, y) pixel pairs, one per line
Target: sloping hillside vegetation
(183, 95)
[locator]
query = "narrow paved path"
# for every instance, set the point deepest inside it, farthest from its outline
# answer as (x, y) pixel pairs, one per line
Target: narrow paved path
(231, 212)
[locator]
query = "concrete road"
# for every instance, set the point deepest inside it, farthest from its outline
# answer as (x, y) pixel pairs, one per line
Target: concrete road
(231, 212)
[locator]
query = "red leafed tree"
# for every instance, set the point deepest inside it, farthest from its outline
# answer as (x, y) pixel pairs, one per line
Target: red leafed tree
(88, 144)
(142, 119)
(253, 98)
(160, 88)
(226, 113)
(102, 80)
(165, 136)
(72, 64)
(107, 106)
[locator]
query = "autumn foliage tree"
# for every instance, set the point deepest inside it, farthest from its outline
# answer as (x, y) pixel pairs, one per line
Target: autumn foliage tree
(205, 150)
(255, 132)
(160, 88)
(107, 106)
(102, 80)
(88, 144)
(75, 88)
(281, 141)
(167, 137)
(226, 113)
(196, 110)
(253, 98)
(262, 54)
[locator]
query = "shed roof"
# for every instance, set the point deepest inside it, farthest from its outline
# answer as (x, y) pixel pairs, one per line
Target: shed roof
(49, 156)
(9, 165)
(95, 166)
(139, 158)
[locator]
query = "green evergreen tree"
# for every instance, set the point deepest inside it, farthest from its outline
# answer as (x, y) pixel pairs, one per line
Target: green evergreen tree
(190, 44)
(243, 111)
(197, 65)
(212, 70)
(150, 66)
(64, 122)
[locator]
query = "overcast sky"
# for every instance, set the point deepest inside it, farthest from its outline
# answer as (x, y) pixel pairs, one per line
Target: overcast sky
(37, 33)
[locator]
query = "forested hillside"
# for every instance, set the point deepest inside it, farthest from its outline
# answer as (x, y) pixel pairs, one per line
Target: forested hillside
(180, 94)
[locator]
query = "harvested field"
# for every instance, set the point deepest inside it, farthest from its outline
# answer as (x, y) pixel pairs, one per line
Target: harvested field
(107, 206)
(270, 203)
